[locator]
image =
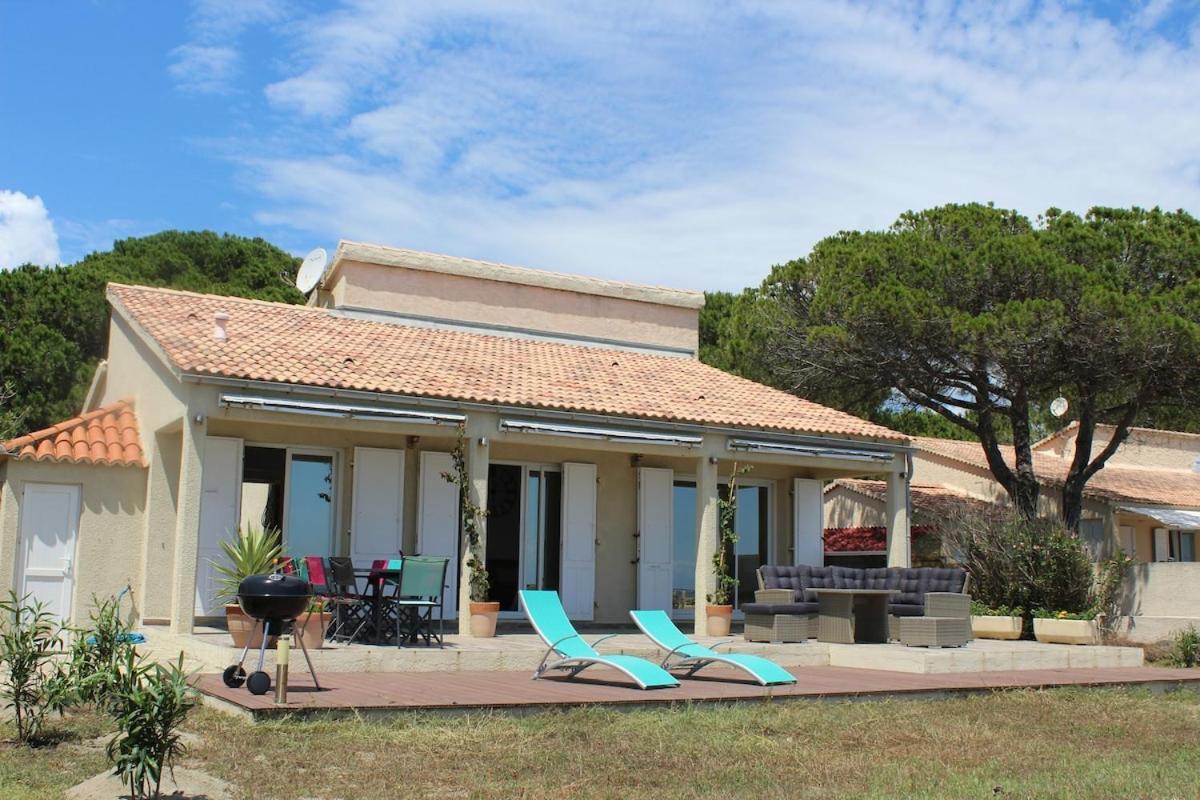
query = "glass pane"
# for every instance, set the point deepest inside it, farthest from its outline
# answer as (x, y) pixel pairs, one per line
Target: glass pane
(683, 593)
(750, 524)
(533, 518)
(1187, 547)
(310, 507)
(503, 556)
(263, 470)
(552, 534)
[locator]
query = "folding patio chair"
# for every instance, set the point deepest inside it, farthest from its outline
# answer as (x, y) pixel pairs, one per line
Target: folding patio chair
(683, 653)
(351, 610)
(548, 618)
(421, 590)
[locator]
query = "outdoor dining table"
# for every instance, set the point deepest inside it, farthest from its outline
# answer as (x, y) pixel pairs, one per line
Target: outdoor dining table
(853, 616)
(378, 579)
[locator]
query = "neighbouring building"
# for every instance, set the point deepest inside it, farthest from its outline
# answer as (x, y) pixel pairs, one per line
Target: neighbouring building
(1146, 501)
(595, 438)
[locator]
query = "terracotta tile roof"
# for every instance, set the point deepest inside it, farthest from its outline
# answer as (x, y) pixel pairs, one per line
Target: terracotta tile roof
(106, 436)
(1166, 487)
(283, 343)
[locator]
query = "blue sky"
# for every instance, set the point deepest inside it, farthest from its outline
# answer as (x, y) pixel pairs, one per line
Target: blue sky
(686, 144)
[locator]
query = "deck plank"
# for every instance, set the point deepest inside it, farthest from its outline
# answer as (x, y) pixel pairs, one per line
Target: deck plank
(429, 691)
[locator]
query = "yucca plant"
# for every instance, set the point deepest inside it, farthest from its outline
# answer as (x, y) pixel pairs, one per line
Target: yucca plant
(254, 552)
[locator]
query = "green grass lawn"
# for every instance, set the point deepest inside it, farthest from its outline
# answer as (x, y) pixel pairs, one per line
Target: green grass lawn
(1029, 744)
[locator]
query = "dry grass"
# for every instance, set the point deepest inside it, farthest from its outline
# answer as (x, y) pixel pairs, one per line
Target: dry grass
(1048, 744)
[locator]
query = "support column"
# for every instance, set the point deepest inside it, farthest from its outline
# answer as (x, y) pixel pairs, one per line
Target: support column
(899, 532)
(187, 524)
(477, 472)
(707, 519)
(10, 537)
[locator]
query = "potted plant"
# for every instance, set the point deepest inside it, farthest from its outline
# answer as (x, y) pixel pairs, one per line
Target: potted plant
(1066, 627)
(996, 622)
(253, 552)
(719, 611)
(484, 612)
(313, 624)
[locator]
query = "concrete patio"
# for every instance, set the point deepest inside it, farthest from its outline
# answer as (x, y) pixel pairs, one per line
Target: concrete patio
(211, 650)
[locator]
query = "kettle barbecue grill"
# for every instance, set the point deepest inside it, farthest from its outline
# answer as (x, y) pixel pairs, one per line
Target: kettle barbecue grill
(275, 601)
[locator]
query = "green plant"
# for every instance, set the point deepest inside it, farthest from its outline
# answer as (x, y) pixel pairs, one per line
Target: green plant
(1184, 649)
(725, 582)
(979, 609)
(95, 652)
(1110, 577)
(1018, 562)
(471, 520)
(1045, 613)
(30, 682)
(254, 551)
(153, 702)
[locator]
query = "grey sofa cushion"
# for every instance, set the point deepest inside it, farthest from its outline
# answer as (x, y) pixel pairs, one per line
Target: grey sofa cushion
(912, 582)
(780, 608)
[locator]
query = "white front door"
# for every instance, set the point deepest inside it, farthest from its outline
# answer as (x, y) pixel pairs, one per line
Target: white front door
(220, 504)
(49, 530)
(655, 532)
(437, 521)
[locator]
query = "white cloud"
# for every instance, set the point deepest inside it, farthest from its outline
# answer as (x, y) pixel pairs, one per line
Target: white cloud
(26, 232)
(207, 69)
(683, 145)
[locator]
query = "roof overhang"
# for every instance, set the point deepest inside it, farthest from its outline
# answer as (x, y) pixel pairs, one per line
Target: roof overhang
(1171, 517)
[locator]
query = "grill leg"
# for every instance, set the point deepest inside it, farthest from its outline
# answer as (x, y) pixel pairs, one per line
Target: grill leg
(262, 648)
(298, 638)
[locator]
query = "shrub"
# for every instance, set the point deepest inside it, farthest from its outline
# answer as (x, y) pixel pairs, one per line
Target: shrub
(979, 609)
(153, 701)
(255, 551)
(95, 653)
(1184, 650)
(1046, 613)
(1020, 563)
(32, 684)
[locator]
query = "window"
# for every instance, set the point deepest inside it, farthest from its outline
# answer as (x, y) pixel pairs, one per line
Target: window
(752, 524)
(291, 490)
(1183, 546)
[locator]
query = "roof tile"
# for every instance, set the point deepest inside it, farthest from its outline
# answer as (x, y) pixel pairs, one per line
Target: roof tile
(105, 436)
(278, 342)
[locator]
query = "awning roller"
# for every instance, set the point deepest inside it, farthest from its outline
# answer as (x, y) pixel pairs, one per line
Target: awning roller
(761, 446)
(624, 435)
(341, 410)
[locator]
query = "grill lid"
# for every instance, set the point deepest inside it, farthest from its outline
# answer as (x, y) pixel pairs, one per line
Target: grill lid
(274, 585)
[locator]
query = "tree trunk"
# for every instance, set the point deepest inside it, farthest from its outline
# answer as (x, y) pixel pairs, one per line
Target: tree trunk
(1020, 482)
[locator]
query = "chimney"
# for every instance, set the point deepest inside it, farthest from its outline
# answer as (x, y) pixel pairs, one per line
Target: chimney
(220, 320)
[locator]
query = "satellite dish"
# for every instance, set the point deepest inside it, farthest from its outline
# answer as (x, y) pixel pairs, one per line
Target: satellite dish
(1058, 406)
(311, 271)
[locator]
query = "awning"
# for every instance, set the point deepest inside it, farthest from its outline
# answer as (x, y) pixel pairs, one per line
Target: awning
(340, 410)
(791, 449)
(622, 435)
(1170, 517)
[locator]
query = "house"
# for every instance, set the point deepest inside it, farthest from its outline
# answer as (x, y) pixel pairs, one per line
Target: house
(596, 440)
(1146, 500)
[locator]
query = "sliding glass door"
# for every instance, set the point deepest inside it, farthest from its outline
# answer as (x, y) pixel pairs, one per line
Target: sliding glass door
(754, 546)
(292, 490)
(524, 530)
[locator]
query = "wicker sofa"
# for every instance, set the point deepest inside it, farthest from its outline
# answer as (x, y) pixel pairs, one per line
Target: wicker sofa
(785, 608)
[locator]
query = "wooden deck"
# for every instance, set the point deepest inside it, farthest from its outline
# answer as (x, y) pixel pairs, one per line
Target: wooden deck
(374, 694)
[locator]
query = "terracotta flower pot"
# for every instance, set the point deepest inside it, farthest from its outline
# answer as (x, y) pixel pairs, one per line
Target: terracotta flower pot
(312, 628)
(483, 619)
(243, 628)
(718, 620)
(996, 627)
(1066, 631)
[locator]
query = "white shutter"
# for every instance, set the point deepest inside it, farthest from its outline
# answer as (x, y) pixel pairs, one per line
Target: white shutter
(655, 534)
(378, 511)
(1128, 540)
(220, 504)
(808, 522)
(1162, 544)
(437, 521)
(579, 540)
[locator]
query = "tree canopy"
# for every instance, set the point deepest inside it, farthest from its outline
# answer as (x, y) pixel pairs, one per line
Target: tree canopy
(982, 316)
(53, 321)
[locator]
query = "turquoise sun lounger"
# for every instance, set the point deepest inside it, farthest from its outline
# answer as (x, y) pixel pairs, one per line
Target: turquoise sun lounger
(546, 613)
(683, 653)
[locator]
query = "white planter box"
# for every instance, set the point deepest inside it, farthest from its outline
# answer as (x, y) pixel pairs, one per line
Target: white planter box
(1066, 631)
(992, 627)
